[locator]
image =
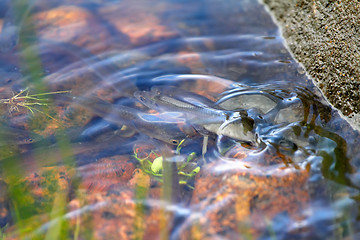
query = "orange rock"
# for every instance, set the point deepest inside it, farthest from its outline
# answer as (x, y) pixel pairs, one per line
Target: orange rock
(38, 195)
(74, 25)
(119, 211)
(139, 179)
(115, 218)
(137, 23)
(39, 183)
(230, 195)
(106, 173)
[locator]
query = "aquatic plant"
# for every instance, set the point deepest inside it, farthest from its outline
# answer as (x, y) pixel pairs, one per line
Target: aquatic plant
(29, 102)
(152, 164)
(23, 203)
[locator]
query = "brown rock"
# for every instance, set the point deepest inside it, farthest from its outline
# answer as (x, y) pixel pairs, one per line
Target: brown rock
(139, 25)
(233, 197)
(74, 25)
(106, 173)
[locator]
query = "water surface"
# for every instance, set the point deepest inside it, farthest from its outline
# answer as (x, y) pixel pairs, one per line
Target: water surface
(279, 161)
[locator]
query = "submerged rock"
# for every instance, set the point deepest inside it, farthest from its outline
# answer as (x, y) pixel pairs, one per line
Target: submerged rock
(231, 201)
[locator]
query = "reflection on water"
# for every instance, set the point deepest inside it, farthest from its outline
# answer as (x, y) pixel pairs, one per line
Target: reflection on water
(185, 120)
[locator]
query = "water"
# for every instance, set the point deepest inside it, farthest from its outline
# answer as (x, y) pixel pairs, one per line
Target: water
(243, 145)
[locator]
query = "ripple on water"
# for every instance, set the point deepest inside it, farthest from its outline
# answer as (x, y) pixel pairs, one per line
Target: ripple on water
(279, 162)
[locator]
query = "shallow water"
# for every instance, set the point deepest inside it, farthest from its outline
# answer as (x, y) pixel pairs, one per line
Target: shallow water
(278, 162)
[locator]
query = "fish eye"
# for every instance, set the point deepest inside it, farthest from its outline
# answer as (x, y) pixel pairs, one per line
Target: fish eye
(175, 141)
(142, 98)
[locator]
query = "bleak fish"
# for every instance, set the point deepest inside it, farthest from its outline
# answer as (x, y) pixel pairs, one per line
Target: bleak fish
(164, 103)
(236, 125)
(149, 124)
(182, 94)
(247, 100)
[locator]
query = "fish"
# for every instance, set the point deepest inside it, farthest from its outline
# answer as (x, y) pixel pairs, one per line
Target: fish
(160, 127)
(190, 109)
(260, 100)
(185, 95)
(16, 136)
(234, 124)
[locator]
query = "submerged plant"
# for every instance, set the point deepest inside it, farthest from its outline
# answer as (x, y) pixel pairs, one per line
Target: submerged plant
(30, 102)
(2, 234)
(152, 164)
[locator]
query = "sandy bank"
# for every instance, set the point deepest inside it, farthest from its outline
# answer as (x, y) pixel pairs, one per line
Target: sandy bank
(324, 36)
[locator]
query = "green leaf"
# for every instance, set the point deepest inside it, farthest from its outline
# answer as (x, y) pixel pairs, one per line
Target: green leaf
(157, 165)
